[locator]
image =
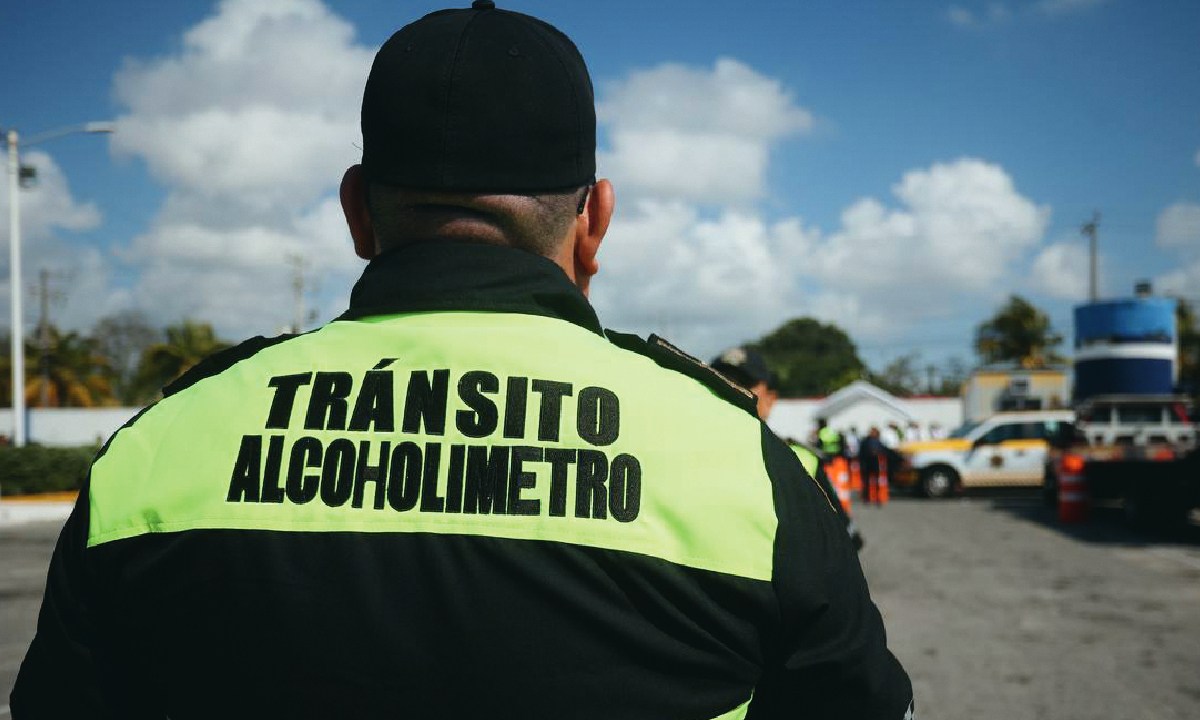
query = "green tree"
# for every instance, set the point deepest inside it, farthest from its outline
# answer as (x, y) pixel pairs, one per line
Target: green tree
(810, 358)
(186, 345)
(1020, 333)
(952, 377)
(122, 338)
(901, 376)
(70, 372)
(1187, 327)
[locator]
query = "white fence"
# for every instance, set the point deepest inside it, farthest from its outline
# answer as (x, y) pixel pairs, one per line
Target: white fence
(66, 427)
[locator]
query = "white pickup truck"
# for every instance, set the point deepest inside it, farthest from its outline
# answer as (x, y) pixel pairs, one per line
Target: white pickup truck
(1140, 450)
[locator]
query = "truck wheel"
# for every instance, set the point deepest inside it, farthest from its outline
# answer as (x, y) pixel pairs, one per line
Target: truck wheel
(938, 481)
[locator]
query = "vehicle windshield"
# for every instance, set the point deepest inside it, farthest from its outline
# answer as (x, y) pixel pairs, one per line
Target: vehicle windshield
(962, 430)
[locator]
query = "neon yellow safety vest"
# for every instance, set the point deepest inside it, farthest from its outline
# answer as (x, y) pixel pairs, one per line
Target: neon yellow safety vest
(462, 498)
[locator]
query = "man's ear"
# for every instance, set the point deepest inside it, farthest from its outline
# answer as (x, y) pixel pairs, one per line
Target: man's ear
(353, 195)
(590, 228)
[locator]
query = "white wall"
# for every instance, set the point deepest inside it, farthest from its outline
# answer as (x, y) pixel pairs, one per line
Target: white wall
(68, 426)
(797, 418)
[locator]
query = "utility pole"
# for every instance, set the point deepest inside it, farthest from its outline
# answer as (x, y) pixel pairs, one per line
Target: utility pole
(299, 286)
(45, 295)
(1089, 230)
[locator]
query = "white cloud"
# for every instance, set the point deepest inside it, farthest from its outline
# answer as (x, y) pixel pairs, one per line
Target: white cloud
(696, 134)
(1063, 7)
(998, 13)
(956, 240)
(47, 204)
(1061, 271)
(1178, 227)
(960, 16)
(994, 13)
(78, 275)
(1178, 232)
(249, 126)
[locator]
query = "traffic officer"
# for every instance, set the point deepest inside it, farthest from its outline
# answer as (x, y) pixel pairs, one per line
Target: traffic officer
(747, 368)
(462, 498)
(830, 439)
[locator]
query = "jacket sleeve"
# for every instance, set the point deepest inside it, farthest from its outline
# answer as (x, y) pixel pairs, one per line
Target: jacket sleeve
(62, 674)
(830, 659)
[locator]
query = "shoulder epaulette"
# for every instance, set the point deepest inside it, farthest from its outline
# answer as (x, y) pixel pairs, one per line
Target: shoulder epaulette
(669, 356)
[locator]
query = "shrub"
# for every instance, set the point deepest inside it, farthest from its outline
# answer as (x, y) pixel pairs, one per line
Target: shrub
(38, 469)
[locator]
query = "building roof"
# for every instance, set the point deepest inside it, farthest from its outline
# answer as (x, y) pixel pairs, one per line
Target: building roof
(856, 392)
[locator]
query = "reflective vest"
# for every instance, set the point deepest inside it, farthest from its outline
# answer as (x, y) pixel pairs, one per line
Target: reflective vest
(462, 498)
(831, 441)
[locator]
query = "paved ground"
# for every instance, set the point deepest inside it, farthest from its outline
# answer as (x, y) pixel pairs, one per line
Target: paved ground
(997, 611)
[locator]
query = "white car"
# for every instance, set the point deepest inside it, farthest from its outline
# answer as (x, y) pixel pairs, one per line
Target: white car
(1007, 449)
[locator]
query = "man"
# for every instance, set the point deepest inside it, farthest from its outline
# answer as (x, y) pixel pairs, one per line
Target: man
(829, 439)
(462, 498)
(748, 368)
(870, 450)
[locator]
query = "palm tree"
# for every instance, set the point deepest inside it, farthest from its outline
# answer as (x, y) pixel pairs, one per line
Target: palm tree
(1018, 332)
(187, 344)
(71, 372)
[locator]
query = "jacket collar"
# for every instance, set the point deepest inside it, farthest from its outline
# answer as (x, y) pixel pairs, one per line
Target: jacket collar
(430, 276)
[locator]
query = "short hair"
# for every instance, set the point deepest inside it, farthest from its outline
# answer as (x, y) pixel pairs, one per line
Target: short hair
(535, 223)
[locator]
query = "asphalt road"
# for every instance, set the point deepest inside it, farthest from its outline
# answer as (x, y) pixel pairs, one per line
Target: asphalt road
(995, 609)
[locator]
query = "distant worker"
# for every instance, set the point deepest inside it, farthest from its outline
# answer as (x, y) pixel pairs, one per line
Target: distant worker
(870, 451)
(748, 369)
(829, 439)
(851, 440)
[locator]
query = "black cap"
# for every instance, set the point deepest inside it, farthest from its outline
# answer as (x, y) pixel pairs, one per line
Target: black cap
(479, 100)
(744, 366)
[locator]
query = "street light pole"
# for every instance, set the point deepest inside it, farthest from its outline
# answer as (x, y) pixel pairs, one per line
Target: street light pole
(14, 259)
(14, 284)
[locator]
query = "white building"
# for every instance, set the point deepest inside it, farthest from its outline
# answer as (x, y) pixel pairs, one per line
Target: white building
(861, 405)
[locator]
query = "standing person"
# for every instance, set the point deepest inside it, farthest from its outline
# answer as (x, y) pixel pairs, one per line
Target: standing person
(748, 369)
(851, 439)
(870, 450)
(829, 439)
(462, 498)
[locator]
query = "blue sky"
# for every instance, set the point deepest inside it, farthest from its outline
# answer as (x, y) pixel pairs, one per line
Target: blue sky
(897, 169)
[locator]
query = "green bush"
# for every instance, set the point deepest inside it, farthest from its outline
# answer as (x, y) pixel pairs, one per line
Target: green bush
(38, 469)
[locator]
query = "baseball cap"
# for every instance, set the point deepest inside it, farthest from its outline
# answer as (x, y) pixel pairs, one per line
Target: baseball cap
(479, 100)
(744, 366)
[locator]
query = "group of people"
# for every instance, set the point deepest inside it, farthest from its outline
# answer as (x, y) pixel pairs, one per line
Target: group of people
(874, 453)
(463, 497)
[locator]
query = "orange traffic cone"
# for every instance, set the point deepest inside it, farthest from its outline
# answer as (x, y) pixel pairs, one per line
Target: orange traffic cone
(884, 494)
(839, 473)
(1072, 489)
(855, 477)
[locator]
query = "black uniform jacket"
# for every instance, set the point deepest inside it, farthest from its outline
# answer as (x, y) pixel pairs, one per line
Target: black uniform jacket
(222, 619)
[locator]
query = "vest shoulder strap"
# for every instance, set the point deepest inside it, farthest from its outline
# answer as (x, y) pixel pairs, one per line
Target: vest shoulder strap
(671, 357)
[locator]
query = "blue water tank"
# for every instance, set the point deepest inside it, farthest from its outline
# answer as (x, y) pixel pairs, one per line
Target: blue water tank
(1125, 347)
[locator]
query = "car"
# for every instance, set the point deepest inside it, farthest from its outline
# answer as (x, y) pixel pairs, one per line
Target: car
(1008, 449)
